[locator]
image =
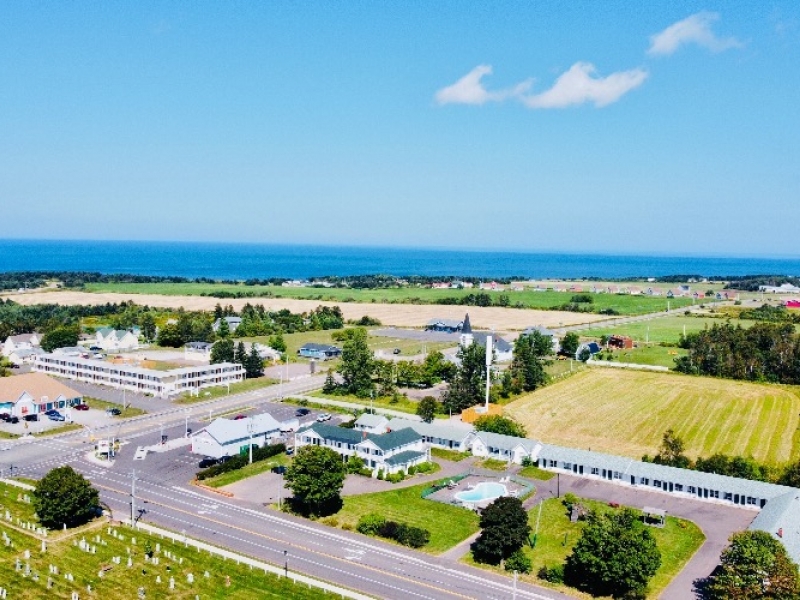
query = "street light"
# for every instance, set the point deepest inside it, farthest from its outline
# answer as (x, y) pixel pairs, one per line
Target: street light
(286, 563)
(250, 431)
(186, 428)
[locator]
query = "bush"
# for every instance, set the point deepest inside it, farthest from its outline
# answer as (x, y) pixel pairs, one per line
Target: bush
(380, 474)
(237, 462)
(370, 524)
(426, 467)
(395, 477)
(519, 562)
(552, 574)
(389, 530)
(355, 465)
(569, 500)
(415, 537)
(528, 462)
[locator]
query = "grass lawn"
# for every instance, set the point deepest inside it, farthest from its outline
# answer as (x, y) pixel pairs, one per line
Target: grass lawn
(662, 329)
(492, 464)
(403, 404)
(623, 303)
(534, 472)
(62, 429)
(450, 455)
(120, 582)
(448, 524)
(130, 411)
(678, 541)
(627, 412)
(256, 468)
(5, 435)
(653, 354)
(248, 385)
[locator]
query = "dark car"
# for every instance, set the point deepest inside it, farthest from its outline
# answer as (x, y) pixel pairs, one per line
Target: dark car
(4, 416)
(81, 407)
(279, 469)
(239, 417)
(31, 417)
(113, 411)
(223, 459)
(301, 412)
(290, 451)
(13, 420)
(396, 351)
(55, 416)
(96, 349)
(207, 462)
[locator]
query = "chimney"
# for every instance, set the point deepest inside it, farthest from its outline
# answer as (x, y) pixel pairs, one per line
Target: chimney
(364, 434)
(780, 532)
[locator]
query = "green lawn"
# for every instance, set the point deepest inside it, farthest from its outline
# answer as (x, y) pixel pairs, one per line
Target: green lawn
(247, 385)
(533, 472)
(130, 411)
(678, 541)
(624, 304)
(652, 354)
(448, 524)
(662, 329)
(403, 404)
(450, 455)
(256, 468)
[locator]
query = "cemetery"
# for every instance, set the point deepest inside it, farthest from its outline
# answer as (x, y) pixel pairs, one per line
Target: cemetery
(108, 560)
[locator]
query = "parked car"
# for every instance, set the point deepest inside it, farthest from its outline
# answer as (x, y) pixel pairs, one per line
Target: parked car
(239, 417)
(324, 417)
(4, 417)
(114, 412)
(279, 469)
(290, 451)
(31, 417)
(396, 351)
(81, 407)
(223, 459)
(301, 412)
(207, 462)
(96, 349)
(13, 420)
(54, 415)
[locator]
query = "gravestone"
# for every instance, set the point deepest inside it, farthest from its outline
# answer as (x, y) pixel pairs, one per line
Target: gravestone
(190, 577)
(158, 578)
(172, 583)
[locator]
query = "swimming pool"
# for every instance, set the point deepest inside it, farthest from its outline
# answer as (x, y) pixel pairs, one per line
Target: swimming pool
(486, 490)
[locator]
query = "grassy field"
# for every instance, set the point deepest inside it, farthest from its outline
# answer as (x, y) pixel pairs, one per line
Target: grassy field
(119, 582)
(256, 468)
(663, 329)
(448, 524)
(623, 303)
(130, 411)
(536, 473)
(247, 385)
(626, 413)
(678, 541)
(650, 354)
(403, 404)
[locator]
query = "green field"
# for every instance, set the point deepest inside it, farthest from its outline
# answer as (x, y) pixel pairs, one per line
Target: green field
(448, 524)
(663, 329)
(678, 540)
(130, 411)
(626, 413)
(623, 303)
(261, 466)
(248, 385)
(652, 354)
(120, 582)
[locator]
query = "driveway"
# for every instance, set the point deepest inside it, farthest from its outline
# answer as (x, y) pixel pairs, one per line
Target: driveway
(717, 521)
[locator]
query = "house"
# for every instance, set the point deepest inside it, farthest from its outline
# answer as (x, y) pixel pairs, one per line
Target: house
(592, 347)
(266, 352)
(389, 452)
(229, 437)
(447, 437)
(621, 342)
(72, 351)
(504, 447)
(319, 351)
(784, 288)
(197, 351)
(34, 393)
(114, 340)
(503, 351)
(444, 325)
(233, 323)
(23, 341)
(544, 331)
(371, 423)
(24, 357)
(792, 304)
(137, 379)
(781, 518)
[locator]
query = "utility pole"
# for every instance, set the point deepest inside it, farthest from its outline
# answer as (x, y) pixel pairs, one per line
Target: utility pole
(515, 585)
(133, 499)
(286, 563)
(488, 369)
(250, 431)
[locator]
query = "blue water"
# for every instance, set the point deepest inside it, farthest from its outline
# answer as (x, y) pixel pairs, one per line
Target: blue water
(261, 261)
(483, 491)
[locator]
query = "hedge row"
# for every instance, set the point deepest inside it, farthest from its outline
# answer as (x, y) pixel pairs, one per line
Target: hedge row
(408, 535)
(237, 462)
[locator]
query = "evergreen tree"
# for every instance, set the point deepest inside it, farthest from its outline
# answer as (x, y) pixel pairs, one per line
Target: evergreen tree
(329, 387)
(570, 343)
(148, 327)
(224, 330)
(357, 364)
(527, 367)
(276, 342)
(426, 409)
(254, 365)
(218, 312)
(240, 355)
(222, 351)
(169, 337)
(469, 383)
(504, 530)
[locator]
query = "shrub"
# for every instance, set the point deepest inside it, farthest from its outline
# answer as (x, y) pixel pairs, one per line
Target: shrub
(347, 526)
(569, 500)
(528, 462)
(552, 574)
(370, 524)
(426, 467)
(519, 562)
(412, 470)
(241, 460)
(380, 474)
(415, 537)
(355, 465)
(389, 530)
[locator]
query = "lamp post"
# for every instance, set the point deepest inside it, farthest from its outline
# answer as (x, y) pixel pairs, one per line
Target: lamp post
(250, 431)
(286, 563)
(186, 426)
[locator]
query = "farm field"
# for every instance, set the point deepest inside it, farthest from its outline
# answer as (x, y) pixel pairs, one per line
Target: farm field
(623, 303)
(398, 315)
(626, 413)
(662, 330)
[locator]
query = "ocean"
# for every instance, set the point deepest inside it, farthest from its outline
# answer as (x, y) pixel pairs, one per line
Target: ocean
(261, 261)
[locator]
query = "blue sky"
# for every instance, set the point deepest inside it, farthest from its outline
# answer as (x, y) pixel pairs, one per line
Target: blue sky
(623, 127)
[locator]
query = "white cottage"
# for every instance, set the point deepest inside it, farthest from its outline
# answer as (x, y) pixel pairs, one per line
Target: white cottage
(229, 437)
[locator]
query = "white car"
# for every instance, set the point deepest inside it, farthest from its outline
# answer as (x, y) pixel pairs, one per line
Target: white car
(324, 417)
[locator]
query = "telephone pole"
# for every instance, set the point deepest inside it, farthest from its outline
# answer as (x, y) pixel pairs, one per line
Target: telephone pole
(133, 499)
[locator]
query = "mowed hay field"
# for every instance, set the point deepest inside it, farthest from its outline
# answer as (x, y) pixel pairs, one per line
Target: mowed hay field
(627, 412)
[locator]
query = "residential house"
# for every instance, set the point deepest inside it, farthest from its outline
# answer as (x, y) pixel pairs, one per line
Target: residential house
(319, 351)
(504, 447)
(371, 423)
(544, 331)
(24, 357)
(784, 288)
(198, 351)
(233, 323)
(23, 341)
(114, 340)
(229, 437)
(437, 435)
(34, 393)
(266, 352)
(444, 325)
(592, 347)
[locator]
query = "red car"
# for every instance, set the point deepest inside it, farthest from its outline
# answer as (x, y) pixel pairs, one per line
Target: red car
(237, 417)
(81, 407)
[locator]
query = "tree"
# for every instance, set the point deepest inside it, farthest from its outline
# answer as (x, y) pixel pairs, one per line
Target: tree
(671, 451)
(329, 387)
(222, 351)
(436, 368)
(755, 565)
(276, 342)
(615, 556)
(169, 336)
(60, 337)
(469, 383)
(504, 530)
(426, 409)
(527, 368)
(224, 330)
(5, 367)
(357, 364)
(240, 354)
(148, 327)
(65, 497)
(315, 477)
(570, 343)
(218, 312)
(791, 476)
(253, 364)
(500, 424)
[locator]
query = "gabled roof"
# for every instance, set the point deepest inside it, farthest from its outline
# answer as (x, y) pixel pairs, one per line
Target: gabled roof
(320, 347)
(337, 434)
(22, 338)
(199, 345)
(367, 420)
(36, 384)
(405, 457)
(498, 343)
(506, 442)
(781, 518)
(395, 439)
(225, 431)
(432, 430)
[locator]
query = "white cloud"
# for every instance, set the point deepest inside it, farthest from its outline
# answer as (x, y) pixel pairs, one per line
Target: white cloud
(692, 30)
(578, 86)
(470, 90)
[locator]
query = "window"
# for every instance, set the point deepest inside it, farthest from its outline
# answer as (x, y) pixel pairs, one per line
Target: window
(567, 466)
(678, 487)
(728, 496)
(751, 500)
(617, 475)
(714, 494)
(595, 471)
(691, 489)
(656, 483)
(552, 463)
(644, 481)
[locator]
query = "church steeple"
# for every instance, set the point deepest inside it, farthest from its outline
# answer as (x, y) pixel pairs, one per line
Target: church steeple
(466, 327)
(466, 332)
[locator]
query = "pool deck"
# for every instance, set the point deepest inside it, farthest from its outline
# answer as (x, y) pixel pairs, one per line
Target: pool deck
(448, 495)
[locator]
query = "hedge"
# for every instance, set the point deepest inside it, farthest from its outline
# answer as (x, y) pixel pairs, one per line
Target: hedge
(241, 460)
